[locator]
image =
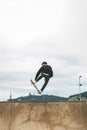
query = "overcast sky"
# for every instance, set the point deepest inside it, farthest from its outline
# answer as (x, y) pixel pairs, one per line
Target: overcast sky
(33, 31)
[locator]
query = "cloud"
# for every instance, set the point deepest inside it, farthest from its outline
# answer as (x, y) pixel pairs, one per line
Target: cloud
(36, 31)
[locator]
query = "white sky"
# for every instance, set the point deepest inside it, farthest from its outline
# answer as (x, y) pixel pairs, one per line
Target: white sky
(33, 31)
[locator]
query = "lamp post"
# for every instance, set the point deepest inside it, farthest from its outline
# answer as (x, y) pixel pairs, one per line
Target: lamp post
(80, 88)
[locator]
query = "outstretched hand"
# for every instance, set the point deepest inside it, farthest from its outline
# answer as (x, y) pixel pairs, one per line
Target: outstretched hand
(34, 81)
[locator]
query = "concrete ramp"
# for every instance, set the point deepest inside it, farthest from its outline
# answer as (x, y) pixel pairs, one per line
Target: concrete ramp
(43, 116)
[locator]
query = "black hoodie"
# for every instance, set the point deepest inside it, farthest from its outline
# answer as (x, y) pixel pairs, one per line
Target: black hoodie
(45, 69)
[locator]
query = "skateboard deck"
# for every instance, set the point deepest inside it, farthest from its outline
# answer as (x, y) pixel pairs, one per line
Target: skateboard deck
(32, 82)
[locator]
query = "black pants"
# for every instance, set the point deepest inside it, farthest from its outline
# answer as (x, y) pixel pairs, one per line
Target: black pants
(47, 77)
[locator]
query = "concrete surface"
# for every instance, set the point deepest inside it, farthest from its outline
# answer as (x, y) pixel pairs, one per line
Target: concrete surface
(43, 116)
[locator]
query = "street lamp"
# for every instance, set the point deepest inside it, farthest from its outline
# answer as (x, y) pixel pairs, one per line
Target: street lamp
(80, 88)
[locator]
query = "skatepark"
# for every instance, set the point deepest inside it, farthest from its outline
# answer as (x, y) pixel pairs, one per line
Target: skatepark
(43, 116)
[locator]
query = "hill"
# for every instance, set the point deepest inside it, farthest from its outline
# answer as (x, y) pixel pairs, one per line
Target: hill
(49, 98)
(41, 98)
(75, 97)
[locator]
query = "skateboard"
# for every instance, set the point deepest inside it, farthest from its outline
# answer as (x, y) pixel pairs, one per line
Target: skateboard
(32, 82)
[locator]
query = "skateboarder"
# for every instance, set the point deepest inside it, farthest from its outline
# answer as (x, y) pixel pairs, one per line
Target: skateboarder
(45, 72)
